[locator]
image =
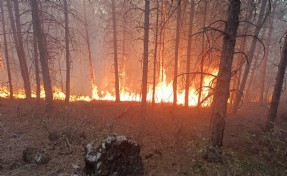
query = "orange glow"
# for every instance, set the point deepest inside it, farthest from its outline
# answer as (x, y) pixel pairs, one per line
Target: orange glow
(164, 93)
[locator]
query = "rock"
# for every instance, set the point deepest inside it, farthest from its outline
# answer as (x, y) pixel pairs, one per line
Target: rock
(115, 156)
(213, 154)
(35, 156)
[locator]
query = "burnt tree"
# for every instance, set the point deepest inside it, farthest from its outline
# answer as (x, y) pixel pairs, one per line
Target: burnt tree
(91, 65)
(6, 52)
(17, 36)
(37, 29)
(221, 92)
(250, 55)
(178, 19)
(187, 84)
(155, 52)
(68, 60)
(116, 65)
(277, 88)
(145, 56)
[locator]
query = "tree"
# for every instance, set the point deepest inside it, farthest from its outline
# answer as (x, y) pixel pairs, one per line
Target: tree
(68, 60)
(221, 92)
(202, 54)
(37, 29)
(277, 88)
(178, 20)
(91, 65)
(268, 41)
(250, 55)
(37, 72)
(116, 66)
(145, 56)
(6, 52)
(155, 52)
(187, 84)
(17, 35)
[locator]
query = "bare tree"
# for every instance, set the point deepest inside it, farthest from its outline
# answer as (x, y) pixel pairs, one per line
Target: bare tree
(221, 92)
(187, 84)
(155, 52)
(178, 19)
(68, 60)
(37, 29)
(37, 72)
(277, 88)
(91, 65)
(202, 54)
(250, 55)
(116, 66)
(6, 52)
(145, 56)
(268, 41)
(17, 35)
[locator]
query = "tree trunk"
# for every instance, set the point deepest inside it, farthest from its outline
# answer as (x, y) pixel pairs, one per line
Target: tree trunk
(37, 72)
(237, 78)
(163, 39)
(250, 55)
(187, 84)
(155, 53)
(19, 45)
(117, 82)
(277, 88)
(43, 55)
(178, 20)
(6, 53)
(202, 54)
(268, 40)
(124, 58)
(250, 83)
(145, 59)
(68, 61)
(91, 65)
(221, 92)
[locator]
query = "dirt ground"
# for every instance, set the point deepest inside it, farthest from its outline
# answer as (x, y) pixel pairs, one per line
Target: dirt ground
(173, 141)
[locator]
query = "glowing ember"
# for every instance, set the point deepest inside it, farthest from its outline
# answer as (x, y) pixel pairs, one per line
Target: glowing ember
(164, 93)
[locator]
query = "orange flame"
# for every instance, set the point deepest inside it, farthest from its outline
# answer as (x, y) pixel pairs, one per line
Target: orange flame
(164, 92)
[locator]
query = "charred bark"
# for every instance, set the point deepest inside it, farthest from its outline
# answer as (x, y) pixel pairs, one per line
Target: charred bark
(277, 88)
(221, 92)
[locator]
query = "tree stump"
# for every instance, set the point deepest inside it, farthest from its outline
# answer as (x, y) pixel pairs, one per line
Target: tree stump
(115, 155)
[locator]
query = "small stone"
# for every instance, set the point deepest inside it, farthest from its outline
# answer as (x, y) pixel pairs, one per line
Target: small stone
(35, 156)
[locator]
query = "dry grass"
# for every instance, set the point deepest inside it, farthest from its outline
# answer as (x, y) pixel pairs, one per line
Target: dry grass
(173, 142)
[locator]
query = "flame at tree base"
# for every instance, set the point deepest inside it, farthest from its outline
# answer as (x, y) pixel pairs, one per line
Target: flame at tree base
(164, 93)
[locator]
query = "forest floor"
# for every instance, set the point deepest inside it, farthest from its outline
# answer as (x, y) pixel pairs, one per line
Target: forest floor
(173, 142)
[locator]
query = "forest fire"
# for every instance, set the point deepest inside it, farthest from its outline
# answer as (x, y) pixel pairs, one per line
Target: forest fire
(164, 92)
(144, 87)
